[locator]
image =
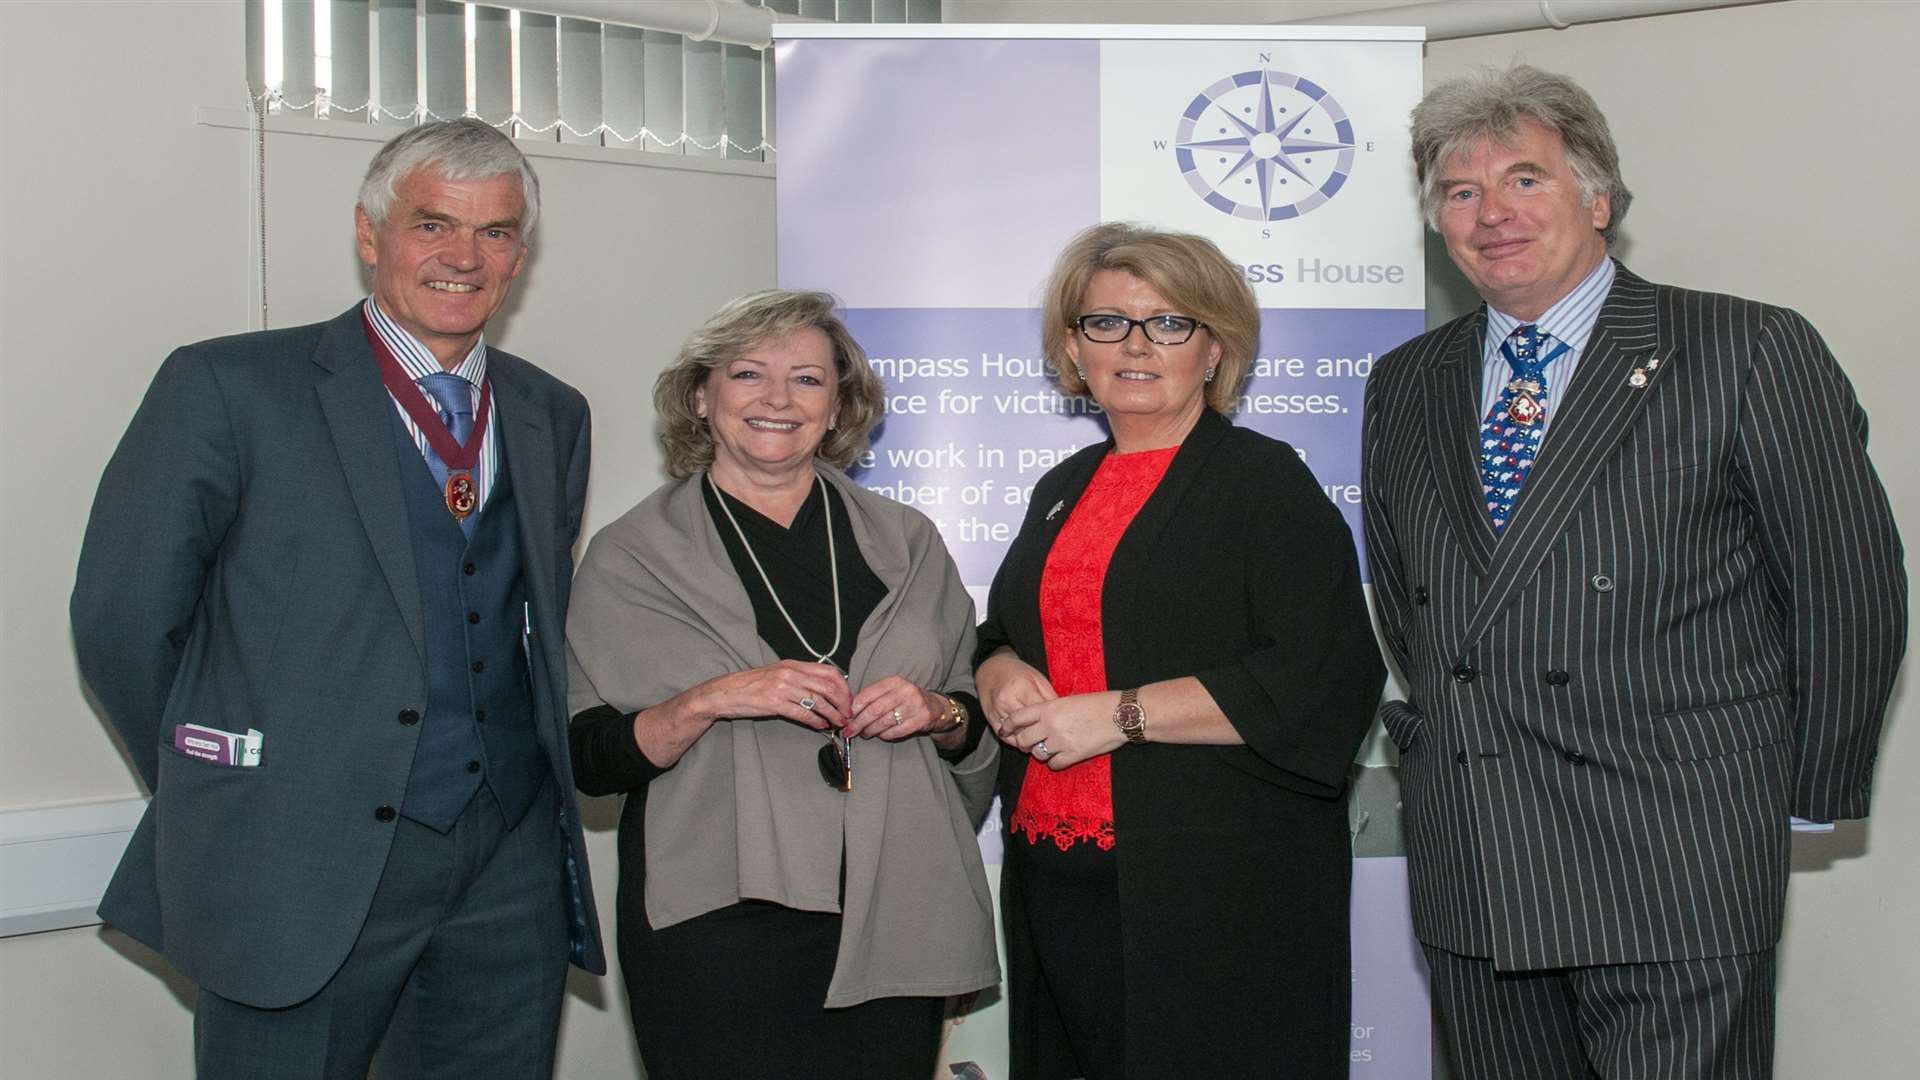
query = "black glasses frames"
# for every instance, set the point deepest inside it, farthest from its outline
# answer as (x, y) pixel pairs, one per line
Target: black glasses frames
(1107, 329)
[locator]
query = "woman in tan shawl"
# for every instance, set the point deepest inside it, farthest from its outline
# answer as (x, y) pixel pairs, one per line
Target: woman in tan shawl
(774, 665)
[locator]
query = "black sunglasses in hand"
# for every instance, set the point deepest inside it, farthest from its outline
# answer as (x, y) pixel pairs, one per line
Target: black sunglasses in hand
(836, 763)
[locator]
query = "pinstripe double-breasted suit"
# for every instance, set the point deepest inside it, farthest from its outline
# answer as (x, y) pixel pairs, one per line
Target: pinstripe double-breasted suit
(1687, 632)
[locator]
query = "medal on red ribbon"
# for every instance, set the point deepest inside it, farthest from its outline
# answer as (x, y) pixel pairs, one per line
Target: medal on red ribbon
(462, 495)
(1525, 408)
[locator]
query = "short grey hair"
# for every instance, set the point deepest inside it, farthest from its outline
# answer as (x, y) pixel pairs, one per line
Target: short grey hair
(737, 329)
(1490, 104)
(463, 149)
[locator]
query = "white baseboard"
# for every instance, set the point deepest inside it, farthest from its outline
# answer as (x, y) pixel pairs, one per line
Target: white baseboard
(55, 862)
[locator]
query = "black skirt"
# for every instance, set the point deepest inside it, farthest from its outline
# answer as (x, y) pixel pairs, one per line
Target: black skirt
(736, 994)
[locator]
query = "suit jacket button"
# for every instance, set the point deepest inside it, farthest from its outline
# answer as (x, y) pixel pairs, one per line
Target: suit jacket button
(479, 666)
(1556, 677)
(1601, 583)
(473, 766)
(1463, 674)
(1460, 757)
(384, 813)
(468, 569)
(1575, 757)
(409, 716)
(1420, 594)
(479, 716)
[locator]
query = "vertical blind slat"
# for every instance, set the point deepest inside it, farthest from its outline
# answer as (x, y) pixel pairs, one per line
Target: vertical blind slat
(399, 88)
(665, 91)
(741, 102)
(705, 110)
(256, 31)
(349, 47)
(853, 11)
(889, 11)
(580, 104)
(492, 65)
(443, 55)
(623, 86)
(539, 76)
(296, 56)
(923, 11)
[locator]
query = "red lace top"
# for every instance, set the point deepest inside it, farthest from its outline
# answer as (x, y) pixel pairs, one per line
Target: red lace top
(1076, 803)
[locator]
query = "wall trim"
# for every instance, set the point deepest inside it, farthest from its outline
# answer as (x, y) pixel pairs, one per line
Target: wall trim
(55, 862)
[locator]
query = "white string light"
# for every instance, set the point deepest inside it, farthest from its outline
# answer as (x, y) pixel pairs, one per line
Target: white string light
(273, 100)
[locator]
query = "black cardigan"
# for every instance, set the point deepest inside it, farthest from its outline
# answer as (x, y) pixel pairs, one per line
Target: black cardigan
(1234, 861)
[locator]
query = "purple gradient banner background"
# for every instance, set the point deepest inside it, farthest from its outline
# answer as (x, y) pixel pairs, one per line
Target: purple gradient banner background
(930, 183)
(973, 418)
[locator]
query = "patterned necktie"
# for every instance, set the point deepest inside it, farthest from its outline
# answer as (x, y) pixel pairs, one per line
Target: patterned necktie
(453, 396)
(1510, 435)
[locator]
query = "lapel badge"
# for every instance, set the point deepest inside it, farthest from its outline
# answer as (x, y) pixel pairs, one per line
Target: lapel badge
(1057, 507)
(1644, 374)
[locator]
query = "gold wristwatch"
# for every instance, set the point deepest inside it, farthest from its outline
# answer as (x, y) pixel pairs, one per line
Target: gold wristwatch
(1130, 718)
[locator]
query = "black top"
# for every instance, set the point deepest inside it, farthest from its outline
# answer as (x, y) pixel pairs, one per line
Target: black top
(1233, 861)
(795, 560)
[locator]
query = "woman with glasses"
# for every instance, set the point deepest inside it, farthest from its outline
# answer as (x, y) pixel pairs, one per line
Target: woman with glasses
(1178, 657)
(774, 665)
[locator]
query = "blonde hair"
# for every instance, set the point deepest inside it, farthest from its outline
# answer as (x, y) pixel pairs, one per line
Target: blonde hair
(737, 329)
(1189, 271)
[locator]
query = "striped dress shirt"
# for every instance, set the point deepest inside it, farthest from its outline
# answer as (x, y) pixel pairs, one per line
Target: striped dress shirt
(419, 362)
(1570, 321)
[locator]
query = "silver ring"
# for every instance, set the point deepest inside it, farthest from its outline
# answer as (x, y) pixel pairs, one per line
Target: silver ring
(896, 717)
(1040, 750)
(807, 703)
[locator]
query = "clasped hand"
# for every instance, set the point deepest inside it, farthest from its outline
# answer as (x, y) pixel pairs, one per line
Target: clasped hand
(817, 696)
(1026, 712)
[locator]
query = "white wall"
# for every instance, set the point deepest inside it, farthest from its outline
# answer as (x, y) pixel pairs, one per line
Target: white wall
(129, 233)
(1771, 148)
(1771, 154)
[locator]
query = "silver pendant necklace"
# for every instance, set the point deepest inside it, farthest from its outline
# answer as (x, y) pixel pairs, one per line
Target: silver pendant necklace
(833, 569)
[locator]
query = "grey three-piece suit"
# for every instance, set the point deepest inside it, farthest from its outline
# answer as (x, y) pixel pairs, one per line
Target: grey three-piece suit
(252, 562)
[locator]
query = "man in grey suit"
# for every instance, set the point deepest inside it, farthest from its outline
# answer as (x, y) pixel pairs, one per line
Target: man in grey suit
(321, 599)
(1648, 599)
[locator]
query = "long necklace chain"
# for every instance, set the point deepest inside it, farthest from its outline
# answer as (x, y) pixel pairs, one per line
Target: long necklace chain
(833, 568)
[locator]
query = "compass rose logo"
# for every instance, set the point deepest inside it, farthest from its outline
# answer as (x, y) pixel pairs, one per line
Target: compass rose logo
(1264, 145)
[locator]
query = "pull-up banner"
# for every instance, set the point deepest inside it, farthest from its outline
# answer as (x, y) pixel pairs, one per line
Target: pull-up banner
(929, 176)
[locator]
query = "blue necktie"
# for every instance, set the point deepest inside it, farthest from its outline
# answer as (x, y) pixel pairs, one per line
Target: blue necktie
(453, 396)
(1510, 435)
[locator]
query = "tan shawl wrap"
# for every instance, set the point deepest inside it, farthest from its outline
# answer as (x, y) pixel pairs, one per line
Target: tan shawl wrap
(657, 608)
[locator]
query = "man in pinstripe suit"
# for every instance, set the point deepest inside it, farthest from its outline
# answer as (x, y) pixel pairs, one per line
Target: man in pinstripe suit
(1648, 598)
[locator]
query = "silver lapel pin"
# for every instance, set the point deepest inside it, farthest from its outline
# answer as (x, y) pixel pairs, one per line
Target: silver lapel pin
(1057, 507)
(1642, 375)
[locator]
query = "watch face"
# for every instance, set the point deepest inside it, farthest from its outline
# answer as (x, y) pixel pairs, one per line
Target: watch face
(1129, 717)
